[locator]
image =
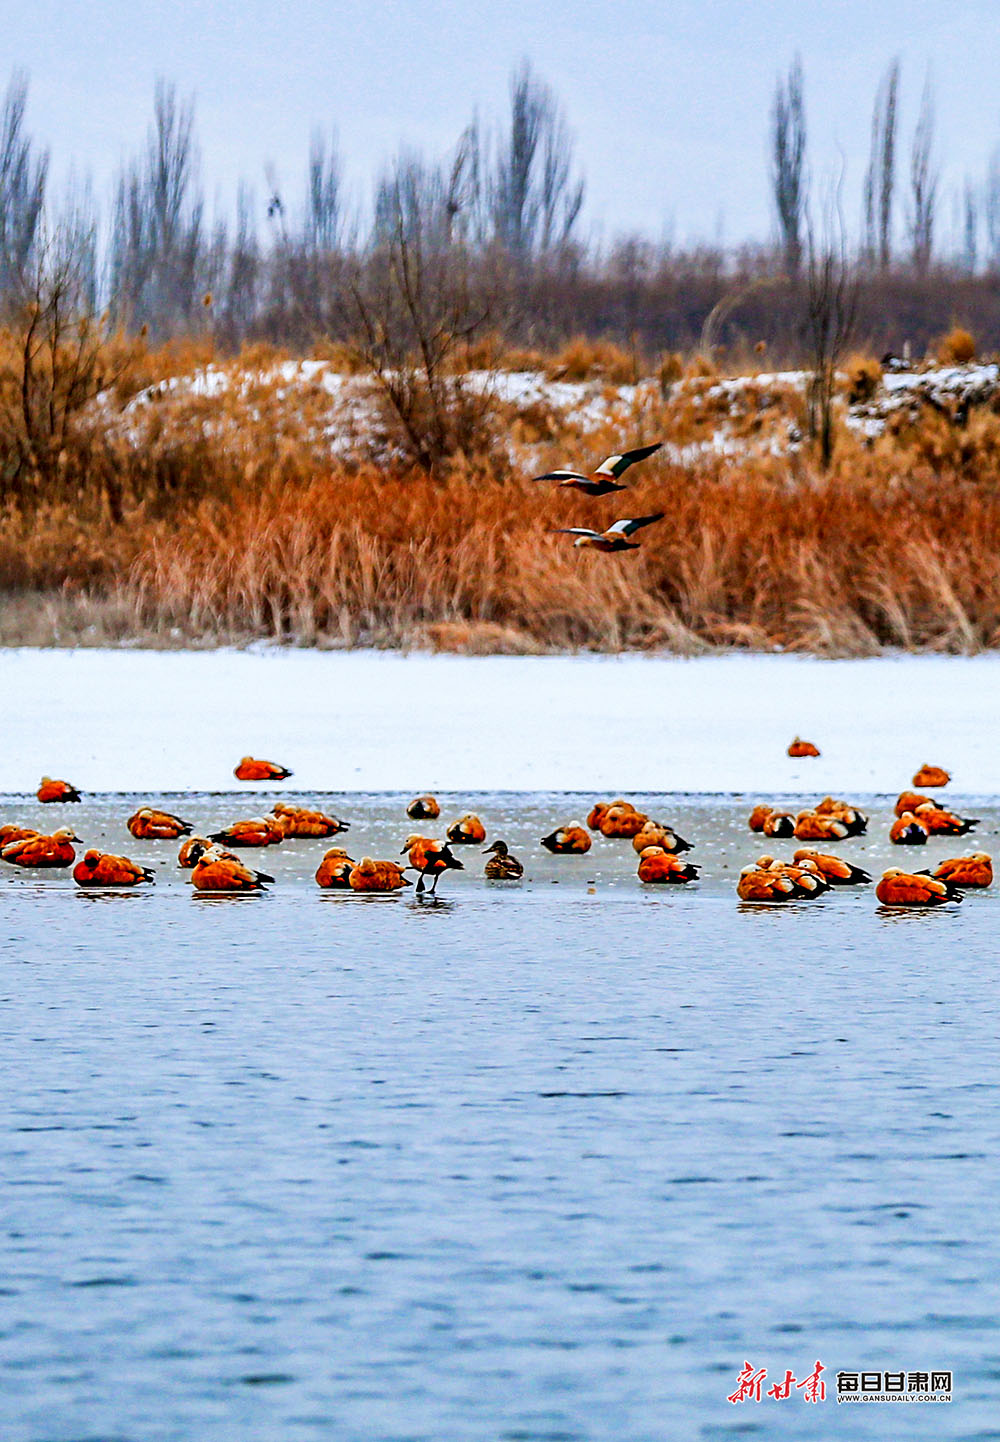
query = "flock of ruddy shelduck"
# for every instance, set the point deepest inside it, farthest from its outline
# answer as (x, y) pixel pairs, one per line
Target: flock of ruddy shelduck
(810, 872)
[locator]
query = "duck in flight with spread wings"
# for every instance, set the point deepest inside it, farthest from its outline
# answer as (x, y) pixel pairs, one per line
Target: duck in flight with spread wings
(615, 538)
(605, 479)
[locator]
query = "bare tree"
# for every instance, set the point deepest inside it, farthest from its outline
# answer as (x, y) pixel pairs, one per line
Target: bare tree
(535, 197)
(991, 211)
(324, 209)
(832, 286)
(923, 184)
(157, 239)
(23, 173)
(880, 177)
(410, 303)
(788, 150)
(57, 359)
(970, 227)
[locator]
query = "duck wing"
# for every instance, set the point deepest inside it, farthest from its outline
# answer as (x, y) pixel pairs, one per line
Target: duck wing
(636, 523)
(616, 466)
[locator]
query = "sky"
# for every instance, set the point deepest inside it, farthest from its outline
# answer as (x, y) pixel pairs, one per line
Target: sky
(668, 100)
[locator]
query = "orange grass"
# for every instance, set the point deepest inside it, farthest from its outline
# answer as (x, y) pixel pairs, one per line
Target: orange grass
(225, 521)
(839, 565)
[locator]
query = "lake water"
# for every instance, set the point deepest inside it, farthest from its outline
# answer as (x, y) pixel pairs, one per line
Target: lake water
(541, 1162)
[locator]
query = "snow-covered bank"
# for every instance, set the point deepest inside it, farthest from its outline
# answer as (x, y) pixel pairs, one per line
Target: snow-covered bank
(353, 721)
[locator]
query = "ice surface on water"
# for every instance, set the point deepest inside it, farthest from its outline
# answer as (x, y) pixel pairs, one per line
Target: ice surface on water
(547, 1161)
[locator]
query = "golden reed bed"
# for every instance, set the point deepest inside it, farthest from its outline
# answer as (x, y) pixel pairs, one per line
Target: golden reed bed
(192, 536)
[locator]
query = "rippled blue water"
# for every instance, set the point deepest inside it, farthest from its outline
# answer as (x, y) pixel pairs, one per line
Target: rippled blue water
(543, 1163)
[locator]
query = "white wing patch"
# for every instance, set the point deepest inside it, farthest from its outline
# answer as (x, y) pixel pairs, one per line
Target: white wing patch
(607, 468)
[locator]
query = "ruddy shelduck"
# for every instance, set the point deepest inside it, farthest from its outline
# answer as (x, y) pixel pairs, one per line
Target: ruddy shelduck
(333, 873)
(423, 808)
(149, 825)
(571, 840)
(254, 831)
(910, 800)
(216, 871)
(975, 870)
(252, 769)
(654, 833)
(771, 822)
(908, 830)
(191, 851)
(300, 823)
(502, 865)
(809, 881)
(931, 776)
(940, 822)
(800, 748)
(835, 869)
(100, 868)
(815, 826)
(382, 876)
(42, 851)
(429, 857)
(606, 478)
(598, 812)
(757, 884)
(51, 790)
(902, 888)
(855, 820)
(11, 832)
(468, 830)
(622, 821)
(616, 538)
(659, 867)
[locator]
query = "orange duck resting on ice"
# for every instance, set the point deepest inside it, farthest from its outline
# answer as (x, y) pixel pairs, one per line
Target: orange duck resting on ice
(216, 871)
(42, 851)
(423, 808)
(654, 833)
(771, 822)
(149, 825)
(657, 866)
(252, 769)
(299, 823)
(856, 821)
(468, 830)
(380, 876)
(940, 822)
(50, 790)
(975, 870)
(12, 832)
(817, 826)
(334, 871)
(834, 869)
(622, 821)
(907, 830)
(760, 884)
(99, 868)
(931, 776)
(254, 831)
(192, 850)
(571, 840)
(910, 800)
(802, 748)
(808, 879)
(901, 888)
